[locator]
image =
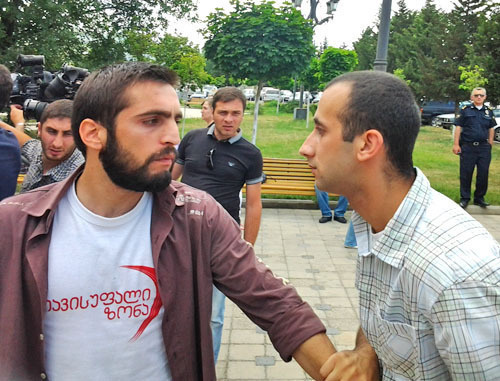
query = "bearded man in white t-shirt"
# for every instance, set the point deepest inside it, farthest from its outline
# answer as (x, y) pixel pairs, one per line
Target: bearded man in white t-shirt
(108, 274)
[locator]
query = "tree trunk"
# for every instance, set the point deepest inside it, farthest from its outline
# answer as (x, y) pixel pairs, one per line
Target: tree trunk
(256, 112)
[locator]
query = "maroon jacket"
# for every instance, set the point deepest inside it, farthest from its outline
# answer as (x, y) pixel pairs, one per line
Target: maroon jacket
(195, 244)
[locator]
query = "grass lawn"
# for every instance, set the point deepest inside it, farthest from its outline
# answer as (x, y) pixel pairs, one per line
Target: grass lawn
(280, 136)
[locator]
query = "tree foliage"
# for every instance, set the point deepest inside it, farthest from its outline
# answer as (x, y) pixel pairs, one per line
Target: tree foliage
(88, 33)
(259, 41)
(334, 62)
(428, 47)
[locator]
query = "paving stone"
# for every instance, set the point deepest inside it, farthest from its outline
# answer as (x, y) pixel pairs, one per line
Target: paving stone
(245, 352)
(317, 287)
(323, 307)
(286, 371)
(245, 370)
(332, 331)
(265, 360)
(313, 271)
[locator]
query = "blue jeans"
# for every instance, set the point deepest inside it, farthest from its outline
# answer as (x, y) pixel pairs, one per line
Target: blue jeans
(217, 319)
(339, 211)
(322, 198)
(350, 237)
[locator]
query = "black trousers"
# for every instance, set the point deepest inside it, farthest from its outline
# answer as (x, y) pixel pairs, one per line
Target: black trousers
(474, 156)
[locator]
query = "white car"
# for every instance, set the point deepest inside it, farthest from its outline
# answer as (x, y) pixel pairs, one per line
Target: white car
(317, 97)
(307, 95)
(444, 120)
(249, 94)
(270, 95)
(286, 95)
(496, 114)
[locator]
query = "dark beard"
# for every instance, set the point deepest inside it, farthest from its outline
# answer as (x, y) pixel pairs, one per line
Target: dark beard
(115, 161)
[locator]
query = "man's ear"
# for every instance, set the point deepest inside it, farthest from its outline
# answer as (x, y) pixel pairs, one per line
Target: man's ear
(93, 134)
(39, 129)
(369, 145)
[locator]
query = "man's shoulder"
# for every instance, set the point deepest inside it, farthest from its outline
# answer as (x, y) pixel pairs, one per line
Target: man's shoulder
(32, 147)
(185, 194)
(448, 243)
(250, 149)
(195, 133)
(17, 203)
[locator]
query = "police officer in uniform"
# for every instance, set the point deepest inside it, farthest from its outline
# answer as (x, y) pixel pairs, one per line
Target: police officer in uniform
(473, 140)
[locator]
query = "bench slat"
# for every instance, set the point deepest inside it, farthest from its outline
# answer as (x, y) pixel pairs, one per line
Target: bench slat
(288, 177)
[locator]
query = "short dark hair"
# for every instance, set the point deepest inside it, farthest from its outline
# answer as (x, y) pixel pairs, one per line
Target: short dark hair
(61, 108)
(228, 94)
(5, 85)
(383, 102)
(101, 95)
(207, 100)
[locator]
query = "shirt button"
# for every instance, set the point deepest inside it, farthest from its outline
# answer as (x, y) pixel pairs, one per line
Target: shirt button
(41, 337)
(43, 376)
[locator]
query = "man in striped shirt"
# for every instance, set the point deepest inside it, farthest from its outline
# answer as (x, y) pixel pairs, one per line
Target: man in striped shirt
(428, 274)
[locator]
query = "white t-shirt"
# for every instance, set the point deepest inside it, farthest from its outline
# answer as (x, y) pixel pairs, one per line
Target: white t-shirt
(104, 310)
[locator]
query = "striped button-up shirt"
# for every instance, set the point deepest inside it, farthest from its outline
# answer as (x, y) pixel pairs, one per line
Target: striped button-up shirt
(429, 291)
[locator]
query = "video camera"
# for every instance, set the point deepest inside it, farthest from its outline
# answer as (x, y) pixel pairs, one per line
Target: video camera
(37, 90)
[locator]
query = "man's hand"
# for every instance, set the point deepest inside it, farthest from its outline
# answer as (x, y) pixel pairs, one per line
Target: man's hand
(456, 149)
(16, 116)
(360, 364)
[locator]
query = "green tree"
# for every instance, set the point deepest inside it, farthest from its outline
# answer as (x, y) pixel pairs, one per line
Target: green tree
(485, 51)
(333, 62)
(366, 48)
(310, 77)
(259, 41)
(87, 33)
(472, 77)
(191, 70)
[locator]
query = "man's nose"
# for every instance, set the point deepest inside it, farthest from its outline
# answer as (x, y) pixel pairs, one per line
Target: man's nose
(306, 149)
(58, 140)
(171, 133)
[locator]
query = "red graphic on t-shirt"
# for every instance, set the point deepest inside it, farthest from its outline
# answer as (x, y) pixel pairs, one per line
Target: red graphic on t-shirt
(155, 308)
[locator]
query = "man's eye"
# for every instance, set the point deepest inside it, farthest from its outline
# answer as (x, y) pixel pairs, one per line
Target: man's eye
(152, 121)
(319, 130)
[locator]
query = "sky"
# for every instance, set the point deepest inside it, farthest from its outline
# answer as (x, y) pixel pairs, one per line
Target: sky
(349, 21)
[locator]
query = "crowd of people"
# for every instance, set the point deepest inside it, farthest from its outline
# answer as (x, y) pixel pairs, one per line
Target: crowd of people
(113, 199)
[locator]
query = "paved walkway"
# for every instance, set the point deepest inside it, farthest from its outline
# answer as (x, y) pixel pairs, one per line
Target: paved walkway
(312, 256)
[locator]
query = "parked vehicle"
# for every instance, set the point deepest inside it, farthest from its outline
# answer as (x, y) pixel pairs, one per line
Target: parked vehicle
(270, 94)
(249, 94)
(431, 109)
(198, 94)
(496, 135)
(286, 96)
(210, 90)
(307, 95)
(317, 97)
(448, 120)
(445, 120)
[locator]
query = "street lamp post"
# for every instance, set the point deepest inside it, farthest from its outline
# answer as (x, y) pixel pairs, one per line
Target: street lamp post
(380, 63)
(331, 7)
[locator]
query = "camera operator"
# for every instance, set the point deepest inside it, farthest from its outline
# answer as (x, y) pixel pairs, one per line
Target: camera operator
(54, 157)
(10, 156)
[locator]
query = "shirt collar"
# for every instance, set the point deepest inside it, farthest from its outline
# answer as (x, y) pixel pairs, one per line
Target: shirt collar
(392, 246)
(232, 140)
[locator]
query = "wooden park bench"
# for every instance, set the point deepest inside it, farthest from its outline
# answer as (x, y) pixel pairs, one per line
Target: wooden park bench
(288, 177)
(195, 102)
